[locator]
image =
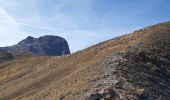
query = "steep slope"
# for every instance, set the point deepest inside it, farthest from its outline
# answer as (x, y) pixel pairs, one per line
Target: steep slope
(121, 68)
(147, 64)
(46, 45)
(141, 71)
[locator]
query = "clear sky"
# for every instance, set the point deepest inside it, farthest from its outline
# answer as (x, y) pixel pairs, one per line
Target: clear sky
(81, 22)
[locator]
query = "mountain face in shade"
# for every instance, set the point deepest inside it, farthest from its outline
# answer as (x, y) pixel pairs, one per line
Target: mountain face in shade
(45, 45)
(5, 56)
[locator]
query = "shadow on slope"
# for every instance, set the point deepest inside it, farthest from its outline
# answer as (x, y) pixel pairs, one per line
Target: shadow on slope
(147, 64)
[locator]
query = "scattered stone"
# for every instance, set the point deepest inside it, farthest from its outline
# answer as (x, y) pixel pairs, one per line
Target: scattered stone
(119, 84)
(140, 92)
(95, 96)
(104, 94)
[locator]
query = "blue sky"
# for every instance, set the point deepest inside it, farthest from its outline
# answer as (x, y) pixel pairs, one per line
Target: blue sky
(81, 22)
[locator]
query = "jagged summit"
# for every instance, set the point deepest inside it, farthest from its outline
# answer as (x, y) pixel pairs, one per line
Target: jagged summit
(29, 39)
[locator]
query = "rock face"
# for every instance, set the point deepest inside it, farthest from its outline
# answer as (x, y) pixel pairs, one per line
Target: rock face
(46, 45)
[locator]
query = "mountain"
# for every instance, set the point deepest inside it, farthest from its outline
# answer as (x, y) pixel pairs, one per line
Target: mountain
(46, 45)
(134, 66)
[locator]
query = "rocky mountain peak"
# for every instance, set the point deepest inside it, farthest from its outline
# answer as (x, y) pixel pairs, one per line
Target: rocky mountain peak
(29, 39)
(45, 45)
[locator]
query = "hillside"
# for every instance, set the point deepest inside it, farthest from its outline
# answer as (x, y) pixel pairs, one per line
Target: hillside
(45, 45)
(131, 67)
(5, 56)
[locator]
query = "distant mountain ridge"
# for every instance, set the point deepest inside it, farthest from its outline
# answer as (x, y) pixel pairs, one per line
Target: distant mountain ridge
(46, 45)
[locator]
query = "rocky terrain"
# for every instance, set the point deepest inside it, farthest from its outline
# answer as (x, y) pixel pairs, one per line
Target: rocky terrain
(131, 67)
(46, 45)
(141, 71)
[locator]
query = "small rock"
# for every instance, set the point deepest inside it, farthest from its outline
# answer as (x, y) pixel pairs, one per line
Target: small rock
(139, 92)
(142, 93)
(119, 84)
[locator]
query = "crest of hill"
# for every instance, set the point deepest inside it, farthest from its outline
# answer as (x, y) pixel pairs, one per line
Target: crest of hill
(146, 64)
